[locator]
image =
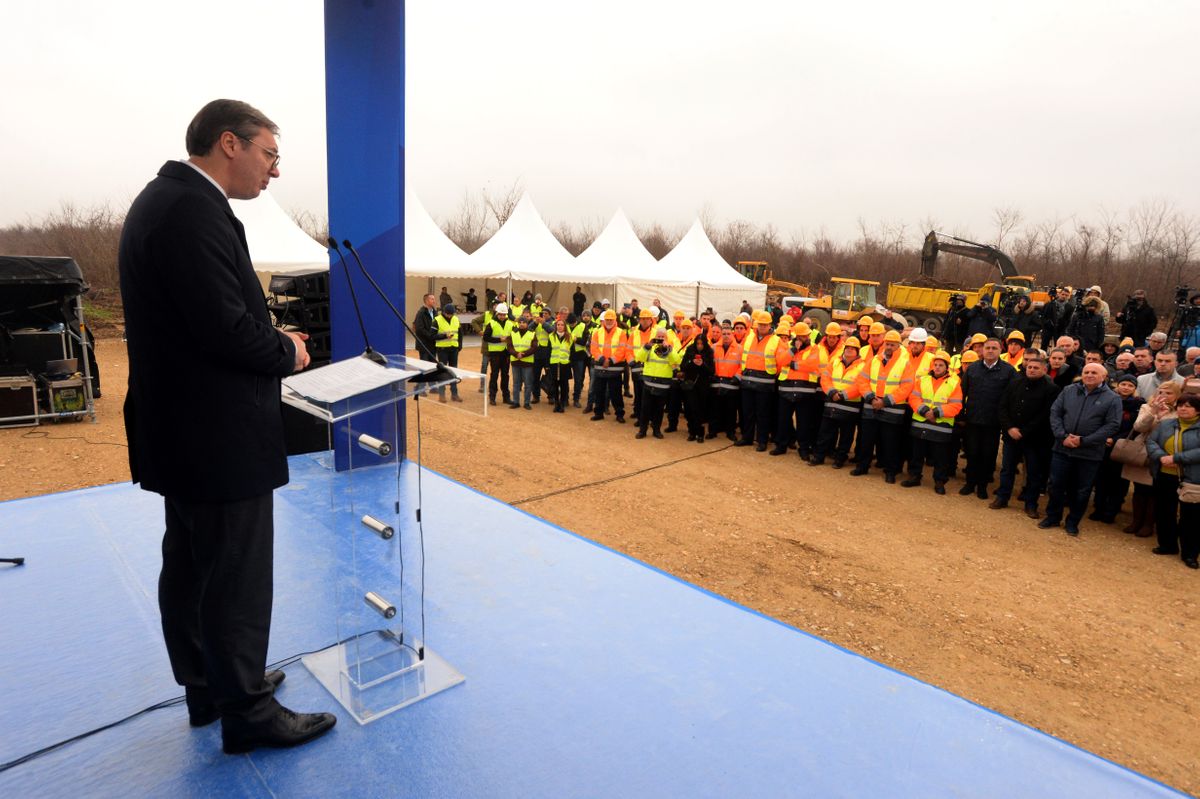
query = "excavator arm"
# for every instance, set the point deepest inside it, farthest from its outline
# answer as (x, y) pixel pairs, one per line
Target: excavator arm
(967, 249)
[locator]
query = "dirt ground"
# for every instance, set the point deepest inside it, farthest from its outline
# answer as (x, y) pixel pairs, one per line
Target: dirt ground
(1092, 639)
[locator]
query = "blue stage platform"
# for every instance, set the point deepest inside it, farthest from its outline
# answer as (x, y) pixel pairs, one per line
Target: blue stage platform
(587, 674)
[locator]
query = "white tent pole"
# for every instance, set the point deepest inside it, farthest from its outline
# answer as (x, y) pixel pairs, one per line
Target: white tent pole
(697, 311)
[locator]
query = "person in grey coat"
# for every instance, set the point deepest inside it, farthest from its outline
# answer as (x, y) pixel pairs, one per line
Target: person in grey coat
(1174, 451)
(1085, 415)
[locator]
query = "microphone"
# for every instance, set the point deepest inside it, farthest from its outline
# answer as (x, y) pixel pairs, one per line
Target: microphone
(368, 353)
(442, 372)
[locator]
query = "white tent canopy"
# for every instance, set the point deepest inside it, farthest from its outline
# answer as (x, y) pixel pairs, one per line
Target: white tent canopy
(432, 260)
(620, 265)
(713, 282)
(277, 244)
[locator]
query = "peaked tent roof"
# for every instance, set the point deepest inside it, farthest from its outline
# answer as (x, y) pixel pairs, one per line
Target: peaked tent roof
(525, 247)
(695, 260)
(428, 251)
(618, 253)
(276, 242)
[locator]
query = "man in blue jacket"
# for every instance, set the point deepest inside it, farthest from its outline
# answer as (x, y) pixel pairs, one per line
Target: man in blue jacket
(1085, 415)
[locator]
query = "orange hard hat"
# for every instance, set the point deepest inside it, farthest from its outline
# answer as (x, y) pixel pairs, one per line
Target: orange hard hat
(833, 329)
(761, 318)
(970, 356)
(892, 335)
(853, 343)
(877, 329)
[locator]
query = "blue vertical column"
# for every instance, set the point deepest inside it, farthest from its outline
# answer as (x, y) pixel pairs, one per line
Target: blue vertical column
(364, 123)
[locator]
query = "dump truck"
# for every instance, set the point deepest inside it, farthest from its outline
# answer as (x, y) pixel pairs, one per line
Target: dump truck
(925, 303)
(848, 300)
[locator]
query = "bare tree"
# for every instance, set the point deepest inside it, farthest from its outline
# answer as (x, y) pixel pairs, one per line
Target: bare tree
(503, 202)
(468, 227)
(1007, 220)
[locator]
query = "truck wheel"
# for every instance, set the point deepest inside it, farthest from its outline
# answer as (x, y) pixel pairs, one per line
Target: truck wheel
(933, 325)
(911, 320)
(821, 315)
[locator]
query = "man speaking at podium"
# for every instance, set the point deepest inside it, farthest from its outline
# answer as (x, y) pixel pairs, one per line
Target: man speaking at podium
(203, 421)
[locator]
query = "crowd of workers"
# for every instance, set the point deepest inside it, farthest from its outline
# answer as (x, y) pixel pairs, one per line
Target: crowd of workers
(1078, 419)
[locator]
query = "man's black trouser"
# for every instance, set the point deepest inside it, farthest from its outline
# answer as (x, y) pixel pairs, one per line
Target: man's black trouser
(1036, 457)
(835, 436)
(448, 356)
(1177, 523)
(214, 593)
(982, 445)
(608, 389)
(653, 403)
(638, 393)
(939, 448)
(758, 411)
(498, 368)
(726, 402)
(889, 437)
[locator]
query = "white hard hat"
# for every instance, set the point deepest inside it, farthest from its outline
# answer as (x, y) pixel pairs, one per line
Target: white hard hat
(501, 308)
(605, 302)
(918, 334)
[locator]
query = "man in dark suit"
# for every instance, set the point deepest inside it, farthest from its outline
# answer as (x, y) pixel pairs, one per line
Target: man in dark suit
(425, 327)
(203, 421)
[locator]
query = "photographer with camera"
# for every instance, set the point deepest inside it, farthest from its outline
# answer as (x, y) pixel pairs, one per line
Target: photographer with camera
(954, 326)
(981, 318)
(1087, 325)
(1137, 319)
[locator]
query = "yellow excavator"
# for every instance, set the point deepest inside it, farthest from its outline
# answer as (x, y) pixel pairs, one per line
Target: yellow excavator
(760, 272)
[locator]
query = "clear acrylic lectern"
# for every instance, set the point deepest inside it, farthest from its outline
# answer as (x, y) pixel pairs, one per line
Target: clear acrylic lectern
(381, 663)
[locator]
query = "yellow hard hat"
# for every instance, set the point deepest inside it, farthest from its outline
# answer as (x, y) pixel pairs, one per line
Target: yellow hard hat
(646, 313)
(933, 343)
(877, 329)
(853, 343)
(833, 329)
(1018, 335)
(892, 335)
(685, 322)
(609, 314)
(865, 320)
(679, 315)
(978, 338)
(801, 329)
(942, 355)
(970, 356)
(761, 318)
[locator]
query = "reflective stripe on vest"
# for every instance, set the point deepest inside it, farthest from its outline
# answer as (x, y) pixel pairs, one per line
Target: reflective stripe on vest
(521, 341)
(842, 410)
(761, 358)
(639, 338)
(894, 376)
(939, 398)
(444, 326)
(577, 333)
(727, 361)
(500, 330)
(842, 378)
(607, 344)
(560, 349)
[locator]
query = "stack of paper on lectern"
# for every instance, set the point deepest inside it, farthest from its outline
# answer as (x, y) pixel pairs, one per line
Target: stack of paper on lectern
(344, 379)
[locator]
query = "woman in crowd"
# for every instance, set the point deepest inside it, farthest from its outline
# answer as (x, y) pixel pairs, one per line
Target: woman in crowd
(1174, 450)
(1160, 408)
(696, 374)
(560, 365)
(1111, 486)
(1061, 370)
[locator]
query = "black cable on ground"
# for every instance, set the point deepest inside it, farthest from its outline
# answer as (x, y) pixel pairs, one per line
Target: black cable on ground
(173, 702)
(614, 478)
(44, 434)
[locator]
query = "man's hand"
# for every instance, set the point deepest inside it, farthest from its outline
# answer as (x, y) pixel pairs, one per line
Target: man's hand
(1071, 441)
(298, 340)
(1014, 433)
(1167, 460)
(877, 403)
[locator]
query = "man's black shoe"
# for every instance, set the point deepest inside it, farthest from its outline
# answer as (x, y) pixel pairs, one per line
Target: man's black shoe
(981, 492)
(761, 448)
(967, 489)
(837, 463)
(1191, 563)
(998, 503)
(741, 442)
(1047, 523)
(889, 478)
(658, 434)
(911, 482)
(202, 712)
(597, 418)
(620, 420)
(1031, 511)
(285, 728)
(858, 471)
(1164, 551)
(640, 434)
(939, 488)
(671, 428)
(779, 451)
(1072, 530)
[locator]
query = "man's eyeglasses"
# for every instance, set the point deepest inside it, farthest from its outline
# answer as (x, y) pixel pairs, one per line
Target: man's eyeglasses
(273, 153)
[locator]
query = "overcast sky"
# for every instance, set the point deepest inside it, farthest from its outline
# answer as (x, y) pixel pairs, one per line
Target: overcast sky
(805, 115)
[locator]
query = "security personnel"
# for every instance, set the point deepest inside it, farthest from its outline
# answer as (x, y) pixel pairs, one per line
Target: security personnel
(659, 361)
(843, 406)
(727, 364)
(1015, 344)
(495, 337)
(641, 335)
(760, 373)
(799, 380)
(935, 400)
(447, 346)
(522, 350)
(610, 351)
(885, 394)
